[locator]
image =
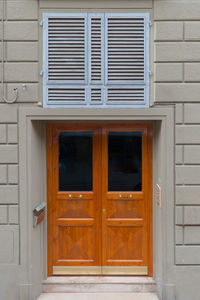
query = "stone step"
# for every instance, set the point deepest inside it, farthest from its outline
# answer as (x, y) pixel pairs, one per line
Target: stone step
(99, 284)
(98, 296)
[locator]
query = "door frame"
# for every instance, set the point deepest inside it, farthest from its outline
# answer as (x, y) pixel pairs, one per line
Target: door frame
(100, 128)
(33, 176)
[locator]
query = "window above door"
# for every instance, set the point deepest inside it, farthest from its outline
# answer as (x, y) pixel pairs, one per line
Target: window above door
(97, 60)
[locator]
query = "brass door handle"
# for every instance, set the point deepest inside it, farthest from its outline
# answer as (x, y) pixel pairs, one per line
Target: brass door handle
(122, 197)
(78, 197)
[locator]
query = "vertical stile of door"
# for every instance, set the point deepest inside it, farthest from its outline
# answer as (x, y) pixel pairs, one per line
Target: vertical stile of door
(149, 197)
(104, 189)
(55, 206)
(144, 187)
(97, 195)
(52, 184)
(49, 195)
(99, 175)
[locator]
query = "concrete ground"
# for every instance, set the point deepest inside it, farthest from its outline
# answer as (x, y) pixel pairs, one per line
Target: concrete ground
(98, 296)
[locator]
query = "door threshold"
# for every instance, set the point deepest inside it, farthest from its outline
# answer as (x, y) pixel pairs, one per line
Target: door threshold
(101, 270)
(98, 279)
(102, 284)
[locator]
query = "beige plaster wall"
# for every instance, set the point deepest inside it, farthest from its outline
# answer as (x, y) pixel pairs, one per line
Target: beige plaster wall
(175, 56)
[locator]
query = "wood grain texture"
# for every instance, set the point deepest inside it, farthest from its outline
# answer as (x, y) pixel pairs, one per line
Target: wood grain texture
(126, 235)
(101, 228)
(49, 196)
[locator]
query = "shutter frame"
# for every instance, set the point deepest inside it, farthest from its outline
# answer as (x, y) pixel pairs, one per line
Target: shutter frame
(104, 85)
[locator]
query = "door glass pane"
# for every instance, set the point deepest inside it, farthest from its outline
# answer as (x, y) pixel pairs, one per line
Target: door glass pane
(124, 161)
(75, 161)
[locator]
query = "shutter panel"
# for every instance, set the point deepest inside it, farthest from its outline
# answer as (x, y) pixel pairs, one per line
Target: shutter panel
(125, 59)
(66, 49)
(125, 49)
(67, 95)
(125, 95)
(96, 95)
(96, 59)
(66, 70)
(96, 49)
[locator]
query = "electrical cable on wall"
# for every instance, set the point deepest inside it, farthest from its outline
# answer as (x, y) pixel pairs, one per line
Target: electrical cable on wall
(15, 90)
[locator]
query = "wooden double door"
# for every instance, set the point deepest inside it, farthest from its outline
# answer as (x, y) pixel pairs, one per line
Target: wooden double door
(99, 187)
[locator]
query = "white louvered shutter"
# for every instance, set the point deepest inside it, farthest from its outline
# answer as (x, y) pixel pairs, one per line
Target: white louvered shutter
(96, 59)
(126, 65)
(66, 59)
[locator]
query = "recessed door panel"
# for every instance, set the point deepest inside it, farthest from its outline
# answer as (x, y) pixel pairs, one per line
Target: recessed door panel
(75, 243)
(121, 244)
(99, 198)
(120, 209)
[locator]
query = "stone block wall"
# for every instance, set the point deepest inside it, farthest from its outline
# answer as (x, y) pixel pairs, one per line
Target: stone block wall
(21, 52)
(19, 55)
(177, 81)
(9, 216)
(188, 186)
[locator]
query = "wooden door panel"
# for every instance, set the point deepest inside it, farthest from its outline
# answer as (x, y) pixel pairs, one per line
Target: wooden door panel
(74, 213)
(125, 218)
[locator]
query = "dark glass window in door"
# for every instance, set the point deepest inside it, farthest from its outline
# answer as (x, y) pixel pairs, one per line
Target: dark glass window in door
(75, 161)
(124, 161)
